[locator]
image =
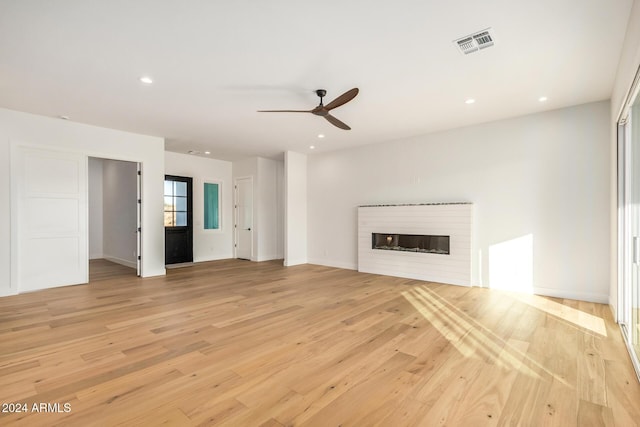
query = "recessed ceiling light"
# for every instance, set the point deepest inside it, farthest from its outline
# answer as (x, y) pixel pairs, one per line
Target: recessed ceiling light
(542, 99)
(321, 136)
(470, 101)
(64, 117)
(193, 152)
(207, 152)
(312, 147)
(146, 80)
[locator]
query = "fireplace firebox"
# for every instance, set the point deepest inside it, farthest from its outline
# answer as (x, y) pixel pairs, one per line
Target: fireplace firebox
(429, 244)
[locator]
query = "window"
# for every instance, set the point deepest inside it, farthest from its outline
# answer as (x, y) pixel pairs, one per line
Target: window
(175, 203)
(211, 206)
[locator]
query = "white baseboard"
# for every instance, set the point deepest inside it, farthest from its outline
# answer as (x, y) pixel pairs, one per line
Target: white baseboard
(213, 258)
(7, 292)
(333, 263)
(267, 258)
(549, 292)
(292, 262)
(96, 256)
(155, 273)
(581, 296)
(126, 263)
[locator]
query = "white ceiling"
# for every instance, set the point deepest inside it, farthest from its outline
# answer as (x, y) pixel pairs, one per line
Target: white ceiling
(214, 63)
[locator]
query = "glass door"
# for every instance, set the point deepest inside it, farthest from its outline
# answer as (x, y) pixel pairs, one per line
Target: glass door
(629, 229)
(632, 294)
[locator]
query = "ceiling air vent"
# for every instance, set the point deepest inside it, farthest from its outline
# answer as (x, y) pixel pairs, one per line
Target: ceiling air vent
(476, 41)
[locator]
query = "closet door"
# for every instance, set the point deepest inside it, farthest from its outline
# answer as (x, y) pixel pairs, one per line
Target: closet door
(50, 213)
(244, 218)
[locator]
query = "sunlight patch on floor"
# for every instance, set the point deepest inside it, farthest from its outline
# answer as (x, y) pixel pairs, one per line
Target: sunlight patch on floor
(577, 317)
(469, 337)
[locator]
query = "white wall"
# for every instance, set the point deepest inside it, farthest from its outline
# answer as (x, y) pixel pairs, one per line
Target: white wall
(5, 212)
(627, 67)
(295, 220)
(95, 209)
(280, 209)
(119, 190)
(540, 185)
(17, 129)
(207, 244)
(267, 199)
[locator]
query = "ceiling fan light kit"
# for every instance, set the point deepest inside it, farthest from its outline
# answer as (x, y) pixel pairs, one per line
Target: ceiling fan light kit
(323, 110)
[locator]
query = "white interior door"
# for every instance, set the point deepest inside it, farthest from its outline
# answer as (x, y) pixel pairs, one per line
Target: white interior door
(139, 221)
(244, 218)
(50, 213)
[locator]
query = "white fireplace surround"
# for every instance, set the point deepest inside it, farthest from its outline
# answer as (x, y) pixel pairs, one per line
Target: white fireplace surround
(450, 219)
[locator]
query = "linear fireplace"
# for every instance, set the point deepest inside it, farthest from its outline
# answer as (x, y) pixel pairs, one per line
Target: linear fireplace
(429, 244)
(437, 247)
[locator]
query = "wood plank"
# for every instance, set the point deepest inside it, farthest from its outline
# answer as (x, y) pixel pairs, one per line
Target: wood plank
(238, 343)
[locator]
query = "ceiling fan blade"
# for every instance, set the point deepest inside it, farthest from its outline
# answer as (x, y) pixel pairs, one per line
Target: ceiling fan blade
(284, 111)
(342, 99)
(336, 122)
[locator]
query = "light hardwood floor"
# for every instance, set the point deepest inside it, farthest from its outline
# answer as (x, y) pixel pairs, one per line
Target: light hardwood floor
(256, 344)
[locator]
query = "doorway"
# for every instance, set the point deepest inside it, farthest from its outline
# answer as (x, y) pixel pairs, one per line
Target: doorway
(114, 218)
(244, 218)
(178, 219)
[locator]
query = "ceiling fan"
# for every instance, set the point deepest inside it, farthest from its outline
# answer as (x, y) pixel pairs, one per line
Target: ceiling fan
(323, 110)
